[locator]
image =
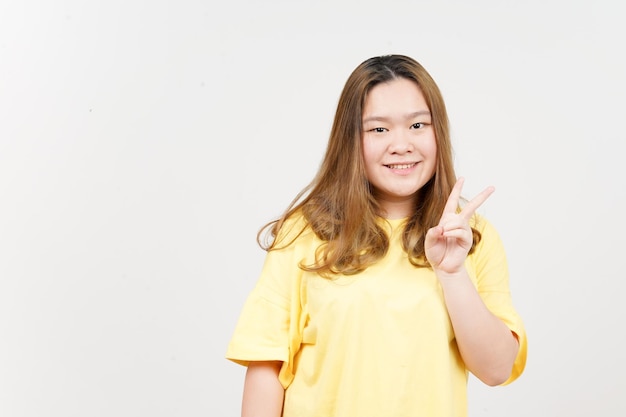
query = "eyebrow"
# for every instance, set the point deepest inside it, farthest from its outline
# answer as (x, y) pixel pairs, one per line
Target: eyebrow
(408, 116)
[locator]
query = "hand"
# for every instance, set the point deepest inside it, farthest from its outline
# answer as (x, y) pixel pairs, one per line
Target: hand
(447, 244)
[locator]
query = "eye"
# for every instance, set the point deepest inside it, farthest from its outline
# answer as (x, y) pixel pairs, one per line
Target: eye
(378, 130)
(418, 125)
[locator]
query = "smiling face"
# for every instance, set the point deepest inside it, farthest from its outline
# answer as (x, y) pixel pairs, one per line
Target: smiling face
(399, 145)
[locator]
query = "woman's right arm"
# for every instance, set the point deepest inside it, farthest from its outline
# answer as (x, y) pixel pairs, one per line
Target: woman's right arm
(263, 393)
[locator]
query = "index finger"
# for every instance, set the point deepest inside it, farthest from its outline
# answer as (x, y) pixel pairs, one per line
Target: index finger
(453, 198)
(470, 208)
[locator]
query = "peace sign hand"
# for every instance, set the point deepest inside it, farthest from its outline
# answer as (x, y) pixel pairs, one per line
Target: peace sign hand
(448, 243)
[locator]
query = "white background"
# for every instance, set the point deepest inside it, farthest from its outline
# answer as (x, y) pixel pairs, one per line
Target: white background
(143, 143)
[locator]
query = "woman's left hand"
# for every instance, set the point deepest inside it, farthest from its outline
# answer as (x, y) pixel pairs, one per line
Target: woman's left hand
(448, 243)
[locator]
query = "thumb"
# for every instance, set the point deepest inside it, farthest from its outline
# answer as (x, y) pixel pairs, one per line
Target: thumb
(432, 235)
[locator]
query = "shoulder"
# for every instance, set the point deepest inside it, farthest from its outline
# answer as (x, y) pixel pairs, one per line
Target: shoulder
(485, 228)
(489, 254)
(292, 229)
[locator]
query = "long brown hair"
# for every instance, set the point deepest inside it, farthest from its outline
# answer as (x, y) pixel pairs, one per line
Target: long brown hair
(338, 205)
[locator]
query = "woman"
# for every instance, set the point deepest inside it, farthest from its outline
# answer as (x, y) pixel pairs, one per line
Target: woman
(380, 290)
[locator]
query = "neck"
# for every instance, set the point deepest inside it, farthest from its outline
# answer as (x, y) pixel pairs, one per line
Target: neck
(396, 209)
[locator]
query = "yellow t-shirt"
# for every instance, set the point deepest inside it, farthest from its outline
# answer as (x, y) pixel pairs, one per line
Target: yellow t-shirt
(378, 343)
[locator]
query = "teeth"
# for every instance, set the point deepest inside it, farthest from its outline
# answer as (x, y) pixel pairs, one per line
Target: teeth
(404, 166)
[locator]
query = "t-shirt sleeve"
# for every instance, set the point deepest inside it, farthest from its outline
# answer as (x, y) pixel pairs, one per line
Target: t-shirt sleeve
(262, 331)
(269, 325)
(492, 281)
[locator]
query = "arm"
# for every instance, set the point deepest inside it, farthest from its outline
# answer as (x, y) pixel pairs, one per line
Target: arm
(486, 344)
(263, 393)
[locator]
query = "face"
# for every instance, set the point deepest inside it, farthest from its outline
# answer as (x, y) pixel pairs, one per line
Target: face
(399, 146)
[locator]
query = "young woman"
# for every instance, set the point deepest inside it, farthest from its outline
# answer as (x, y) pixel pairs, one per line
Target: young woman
(382, 288)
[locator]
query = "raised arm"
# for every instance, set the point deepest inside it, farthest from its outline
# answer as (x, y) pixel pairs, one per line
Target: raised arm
(486, 344)
(263, 393)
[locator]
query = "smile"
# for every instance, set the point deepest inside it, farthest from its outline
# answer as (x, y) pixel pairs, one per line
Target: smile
(402, 166)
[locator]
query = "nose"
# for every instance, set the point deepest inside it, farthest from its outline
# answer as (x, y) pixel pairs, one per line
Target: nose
(400, 142)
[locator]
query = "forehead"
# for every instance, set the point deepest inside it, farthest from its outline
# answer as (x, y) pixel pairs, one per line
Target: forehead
(398, 96)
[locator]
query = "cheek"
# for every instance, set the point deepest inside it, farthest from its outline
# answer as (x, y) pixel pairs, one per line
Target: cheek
(429, 148)
(369, 153)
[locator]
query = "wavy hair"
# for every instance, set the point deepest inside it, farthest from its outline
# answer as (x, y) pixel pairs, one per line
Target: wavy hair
(338, 204)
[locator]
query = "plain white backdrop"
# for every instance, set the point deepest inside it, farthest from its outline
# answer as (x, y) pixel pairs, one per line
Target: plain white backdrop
(143, 143)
